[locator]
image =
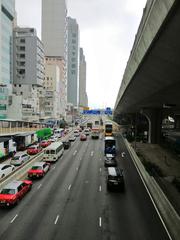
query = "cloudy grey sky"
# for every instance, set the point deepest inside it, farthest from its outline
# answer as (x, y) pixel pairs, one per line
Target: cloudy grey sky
(107, 31)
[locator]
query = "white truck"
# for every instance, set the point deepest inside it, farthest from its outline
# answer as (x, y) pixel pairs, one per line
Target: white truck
(95, 132)
(7, 147)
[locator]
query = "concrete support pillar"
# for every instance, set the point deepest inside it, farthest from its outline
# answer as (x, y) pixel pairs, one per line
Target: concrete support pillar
(154, 117)
(177, 121)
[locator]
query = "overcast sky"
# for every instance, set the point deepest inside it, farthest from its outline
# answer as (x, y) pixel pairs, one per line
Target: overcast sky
(107, 31)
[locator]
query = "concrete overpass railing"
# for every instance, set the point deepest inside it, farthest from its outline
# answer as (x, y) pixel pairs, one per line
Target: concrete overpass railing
(166, 212)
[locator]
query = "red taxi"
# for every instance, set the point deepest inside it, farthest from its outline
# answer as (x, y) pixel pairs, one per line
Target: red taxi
(13, 192)
(34, 149)
(44, 143)
(39, 169)
(83, 137)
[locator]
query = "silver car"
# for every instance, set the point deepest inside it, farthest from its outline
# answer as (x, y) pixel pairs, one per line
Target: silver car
(6, 169)
(19, 158)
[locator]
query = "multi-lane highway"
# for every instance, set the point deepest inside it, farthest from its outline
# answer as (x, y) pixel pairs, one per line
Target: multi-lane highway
(71, 202)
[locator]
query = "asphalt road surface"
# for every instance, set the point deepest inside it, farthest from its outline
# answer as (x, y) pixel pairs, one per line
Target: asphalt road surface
(71, 202)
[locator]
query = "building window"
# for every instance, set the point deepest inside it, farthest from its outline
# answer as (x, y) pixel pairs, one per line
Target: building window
(22, 40)
(73, 72)
(22, 55)
(74, 35)
(73, 59)
(73, 65)
(73, 40)
(22, 48)
(73, 53)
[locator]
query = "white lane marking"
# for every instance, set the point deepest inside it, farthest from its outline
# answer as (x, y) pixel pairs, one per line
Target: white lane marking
(57, 218)
(100, 159)
(100, 222)
(100, 188)
(77, 169)
(100, 170)
(74, 152)
(69, 187)
(39, 186)
(80, 158)
(92, 153)
(14, 218)
(54, 167)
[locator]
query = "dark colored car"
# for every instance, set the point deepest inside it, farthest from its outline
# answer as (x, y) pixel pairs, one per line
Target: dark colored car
(110, 161)
(66, 144)
(115, 179)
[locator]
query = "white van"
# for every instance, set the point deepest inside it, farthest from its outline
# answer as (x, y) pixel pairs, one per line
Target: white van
(59, 132)
(53, 152)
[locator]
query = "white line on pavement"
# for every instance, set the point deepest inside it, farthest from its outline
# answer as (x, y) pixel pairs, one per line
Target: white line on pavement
(54, 167)
(69, 187)
(14, 218)
(100, 188)
(74, 152)
(92, 153)
(100, 222)
(100, 169)
(77, 169)
(100, 159)
(57, 218)
(39, 186)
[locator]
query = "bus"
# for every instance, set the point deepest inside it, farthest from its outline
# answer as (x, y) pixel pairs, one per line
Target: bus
(59, 132)
(95, 132)
(109, 145)
(53, 152)
(108, 129)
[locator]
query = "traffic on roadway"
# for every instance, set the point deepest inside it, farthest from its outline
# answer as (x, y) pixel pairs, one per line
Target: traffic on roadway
(84, 187)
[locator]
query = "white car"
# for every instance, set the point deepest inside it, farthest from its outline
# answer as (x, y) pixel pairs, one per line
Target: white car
(53, 139)
(6, 169)
(19, 158)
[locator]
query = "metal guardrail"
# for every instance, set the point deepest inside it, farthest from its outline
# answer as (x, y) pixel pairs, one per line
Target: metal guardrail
(22, 170)
(166, 212)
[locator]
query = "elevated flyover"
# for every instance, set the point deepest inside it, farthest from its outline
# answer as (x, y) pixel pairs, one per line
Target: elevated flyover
(151, 81)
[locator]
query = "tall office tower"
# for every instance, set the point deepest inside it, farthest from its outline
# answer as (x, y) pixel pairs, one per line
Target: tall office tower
(28, 74)
(73, 62)
(54, 38)
(7, 13)
(83, 100)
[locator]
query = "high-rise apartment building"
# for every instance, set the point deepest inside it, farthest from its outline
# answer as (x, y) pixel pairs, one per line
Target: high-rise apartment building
(73, 62)
(83, 99)
(28, 75)
(7, 13)
(28, 57)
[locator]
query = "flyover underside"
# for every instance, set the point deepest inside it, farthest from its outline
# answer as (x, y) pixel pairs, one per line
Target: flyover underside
(157, 80)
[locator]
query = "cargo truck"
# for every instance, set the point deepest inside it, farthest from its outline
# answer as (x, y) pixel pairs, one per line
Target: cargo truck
(7, 147)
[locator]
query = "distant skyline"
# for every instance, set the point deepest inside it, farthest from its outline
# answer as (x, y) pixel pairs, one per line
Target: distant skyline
(107, 32)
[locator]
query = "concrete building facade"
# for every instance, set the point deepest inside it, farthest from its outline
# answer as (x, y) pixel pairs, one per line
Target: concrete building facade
(28, 75)
(54, 27)
(54, 37)
(83, 99)
(7, 14)
(28, 57)
(52, 87)
(73, 62)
